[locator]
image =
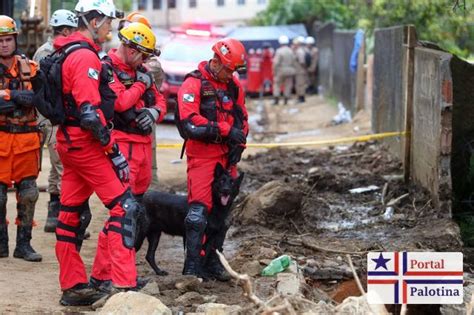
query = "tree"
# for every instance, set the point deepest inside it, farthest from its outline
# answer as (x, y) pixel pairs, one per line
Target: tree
(449, 23)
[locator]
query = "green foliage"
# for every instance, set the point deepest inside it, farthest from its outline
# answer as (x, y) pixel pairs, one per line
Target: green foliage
(449, 23)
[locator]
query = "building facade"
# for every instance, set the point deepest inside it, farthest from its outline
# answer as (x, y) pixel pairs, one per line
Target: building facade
(167, 13)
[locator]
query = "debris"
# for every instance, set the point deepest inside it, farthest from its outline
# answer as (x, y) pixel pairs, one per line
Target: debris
(190, 298)
(289, 284)
(252, 268)
(218, 309)
(343, 116)
(188, 283)
(277, 265)
(151, 288)
(393, 177)
(388, 214)
(394, 201)
(361, 190)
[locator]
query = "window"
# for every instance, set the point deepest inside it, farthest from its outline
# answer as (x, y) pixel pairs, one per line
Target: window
(192, 3)
(241, 2)
(157, 4)
(142, 4)
(172, 4)
(220, 3)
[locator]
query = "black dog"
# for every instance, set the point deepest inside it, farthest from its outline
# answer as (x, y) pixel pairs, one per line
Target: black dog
(166, 212)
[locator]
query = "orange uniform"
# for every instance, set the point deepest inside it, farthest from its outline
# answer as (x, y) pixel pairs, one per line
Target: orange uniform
(19, 137)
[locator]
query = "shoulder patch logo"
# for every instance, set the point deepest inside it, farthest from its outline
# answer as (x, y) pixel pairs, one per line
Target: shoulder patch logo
(188, 97)
(93, 74)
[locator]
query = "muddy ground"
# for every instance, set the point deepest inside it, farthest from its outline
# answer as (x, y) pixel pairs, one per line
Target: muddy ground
(328, 221)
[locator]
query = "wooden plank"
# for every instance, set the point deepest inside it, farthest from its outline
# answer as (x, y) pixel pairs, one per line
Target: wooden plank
(360, 79)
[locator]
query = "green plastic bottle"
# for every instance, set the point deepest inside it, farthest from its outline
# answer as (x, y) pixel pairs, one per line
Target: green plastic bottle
(277, 265)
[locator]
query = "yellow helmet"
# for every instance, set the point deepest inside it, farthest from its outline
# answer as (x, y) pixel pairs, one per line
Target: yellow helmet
(139, 37)
(7, 26)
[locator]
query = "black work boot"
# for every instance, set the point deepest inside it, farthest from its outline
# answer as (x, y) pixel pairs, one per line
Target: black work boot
(214, 269)
(192, 266)
(276, 100)
(101, 285)
(52, 218)
(285, 101)
(81, 294)
(23, 248)
(301, 99)
(3, 240)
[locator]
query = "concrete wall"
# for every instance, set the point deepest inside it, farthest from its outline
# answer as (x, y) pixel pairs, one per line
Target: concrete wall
(388, 110)
(231, 13)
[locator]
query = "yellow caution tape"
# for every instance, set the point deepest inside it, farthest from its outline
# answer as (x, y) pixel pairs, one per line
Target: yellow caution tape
(308, 143)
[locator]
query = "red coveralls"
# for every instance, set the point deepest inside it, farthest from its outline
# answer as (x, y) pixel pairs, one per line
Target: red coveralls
(135, 147)
(267, 70)
(202, 156)
(87, 169)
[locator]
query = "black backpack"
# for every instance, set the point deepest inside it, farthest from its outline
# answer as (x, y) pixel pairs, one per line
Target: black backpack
(49, 99)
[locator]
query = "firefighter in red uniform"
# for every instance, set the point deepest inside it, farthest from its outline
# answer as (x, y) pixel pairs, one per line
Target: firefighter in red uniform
(92, 163)
(19, 141)
(137, 108)
(213, 119)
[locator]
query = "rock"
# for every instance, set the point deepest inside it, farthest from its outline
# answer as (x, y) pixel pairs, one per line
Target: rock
(151, 288)
(134, 302)
(266, 253)
(313, 170)
(274, 199)
(288, 284)
(188, 283)
(252, 268)
(454, 309)
(190, 298)
(218, 309)
(210, 298)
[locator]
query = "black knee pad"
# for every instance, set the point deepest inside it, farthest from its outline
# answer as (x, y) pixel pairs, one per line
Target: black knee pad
(196, 219)
(28, 192)
(3, 202)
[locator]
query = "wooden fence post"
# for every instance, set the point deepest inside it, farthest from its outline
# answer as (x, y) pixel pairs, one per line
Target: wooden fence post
(409, 70)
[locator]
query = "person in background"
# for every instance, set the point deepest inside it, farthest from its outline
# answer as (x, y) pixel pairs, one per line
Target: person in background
(313, 67)
(301, 75)
(284, 70)
(266, 66)
(19, 141)
(64, 23)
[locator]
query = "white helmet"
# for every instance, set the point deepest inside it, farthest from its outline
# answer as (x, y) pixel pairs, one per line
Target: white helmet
(63, 18)
(105, 7)
(283, 40)
(309, 40)
(298, 40)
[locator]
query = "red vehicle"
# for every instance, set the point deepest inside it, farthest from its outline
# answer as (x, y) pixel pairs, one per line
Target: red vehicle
(187, 47)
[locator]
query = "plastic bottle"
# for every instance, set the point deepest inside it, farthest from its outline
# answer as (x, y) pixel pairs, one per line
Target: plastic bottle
(277, 265)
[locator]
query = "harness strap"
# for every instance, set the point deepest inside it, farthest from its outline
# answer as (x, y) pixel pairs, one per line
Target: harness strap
(10, 128)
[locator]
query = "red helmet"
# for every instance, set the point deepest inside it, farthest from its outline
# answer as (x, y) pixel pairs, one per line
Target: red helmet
(231, 53)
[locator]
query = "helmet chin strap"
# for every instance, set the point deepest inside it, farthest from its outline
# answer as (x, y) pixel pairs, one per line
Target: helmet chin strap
(94, 31)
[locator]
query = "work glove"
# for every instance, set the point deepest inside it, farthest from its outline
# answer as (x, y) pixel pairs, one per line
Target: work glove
(235, 154)
(237, 136)
(146, 118)
(145, 77)
(23, 98)
(120, 163)
(149, 98)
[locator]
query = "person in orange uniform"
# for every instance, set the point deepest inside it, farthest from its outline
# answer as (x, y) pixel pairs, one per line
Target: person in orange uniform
(19, 141)
(214, 120)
